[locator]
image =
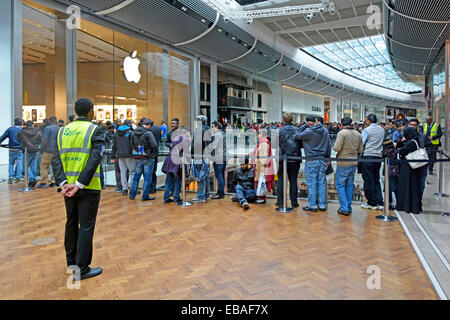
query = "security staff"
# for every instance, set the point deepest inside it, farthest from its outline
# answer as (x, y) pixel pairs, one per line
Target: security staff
(76, 165)
(434, 132)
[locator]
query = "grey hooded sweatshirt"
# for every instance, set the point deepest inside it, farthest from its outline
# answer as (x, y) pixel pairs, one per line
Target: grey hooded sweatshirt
(316, 140)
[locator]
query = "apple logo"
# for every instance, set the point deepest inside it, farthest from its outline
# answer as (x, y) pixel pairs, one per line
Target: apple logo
(131, 68)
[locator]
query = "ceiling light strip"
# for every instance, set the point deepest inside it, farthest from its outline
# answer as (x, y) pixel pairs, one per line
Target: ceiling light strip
(242, 55)
(349, 94)
(296, 74)
(200, 35)
(317, 76)
(413, 18)
(115, 8)
(279, 61)
(325, 86)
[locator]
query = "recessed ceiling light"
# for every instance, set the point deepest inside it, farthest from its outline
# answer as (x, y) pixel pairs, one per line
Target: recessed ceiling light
(203, 20)
(233, 38)
(183, 8)
(220, 30)
(245, 45)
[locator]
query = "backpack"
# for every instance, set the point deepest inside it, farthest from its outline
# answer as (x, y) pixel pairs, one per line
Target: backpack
(290, 145)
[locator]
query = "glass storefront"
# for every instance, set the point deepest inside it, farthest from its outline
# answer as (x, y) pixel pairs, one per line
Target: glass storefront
(439, 97)
(125, 77)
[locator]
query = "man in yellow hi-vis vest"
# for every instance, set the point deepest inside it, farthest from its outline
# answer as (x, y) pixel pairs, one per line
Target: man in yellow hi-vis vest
(76, 166)
(434, 132)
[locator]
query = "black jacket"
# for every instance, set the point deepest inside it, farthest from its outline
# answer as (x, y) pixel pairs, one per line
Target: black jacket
(30, 138)
(94, 160)
(246, 178)
(169, 139)
(287, 142)
(156, 133)
(144, 137)
(122, 142)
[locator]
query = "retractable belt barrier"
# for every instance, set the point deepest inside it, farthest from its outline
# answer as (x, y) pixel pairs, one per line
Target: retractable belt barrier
(27, 188)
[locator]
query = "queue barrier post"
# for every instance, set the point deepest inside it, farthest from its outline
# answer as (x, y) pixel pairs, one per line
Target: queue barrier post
(386, 217)
(27, 188)
(285, 208)
(441, 194)
(184, 203)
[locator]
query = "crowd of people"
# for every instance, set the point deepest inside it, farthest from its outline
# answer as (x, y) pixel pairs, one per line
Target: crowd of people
(135, 148)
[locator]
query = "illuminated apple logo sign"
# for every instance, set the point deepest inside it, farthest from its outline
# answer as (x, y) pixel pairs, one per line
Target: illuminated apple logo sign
(131, 68)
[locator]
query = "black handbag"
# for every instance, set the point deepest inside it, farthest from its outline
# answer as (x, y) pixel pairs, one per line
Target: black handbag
(330, 169)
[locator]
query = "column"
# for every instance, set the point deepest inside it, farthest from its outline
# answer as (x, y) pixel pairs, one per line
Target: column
(71, 71)
(10, 69)
(195, 89)
(213, 88)
(165, 79)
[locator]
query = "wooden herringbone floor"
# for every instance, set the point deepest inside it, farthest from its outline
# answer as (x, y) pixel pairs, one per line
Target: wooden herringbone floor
(208, 251)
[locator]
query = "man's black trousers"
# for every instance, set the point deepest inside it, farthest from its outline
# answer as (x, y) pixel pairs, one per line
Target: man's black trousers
(372, 185)
(81, 213)
(292, 173)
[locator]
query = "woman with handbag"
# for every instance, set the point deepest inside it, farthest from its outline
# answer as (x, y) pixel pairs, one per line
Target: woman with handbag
(409, 181)
(263, 166)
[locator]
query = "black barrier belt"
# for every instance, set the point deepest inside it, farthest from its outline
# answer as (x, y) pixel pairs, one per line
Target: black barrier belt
(445, 155)
(5, 146)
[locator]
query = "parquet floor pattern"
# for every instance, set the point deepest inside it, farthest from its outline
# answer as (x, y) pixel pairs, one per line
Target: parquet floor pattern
(207, 251)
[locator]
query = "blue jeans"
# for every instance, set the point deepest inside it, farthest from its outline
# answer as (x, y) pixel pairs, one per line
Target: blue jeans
(143, 166)
(316, 180)
(172, 187)
(32, 162)
(15, 158)
(245, 195)
(219, 170)
(345, 177)
(203, 188)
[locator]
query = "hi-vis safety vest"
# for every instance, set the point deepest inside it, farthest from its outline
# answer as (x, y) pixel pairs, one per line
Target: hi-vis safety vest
(74, 145)
(433, 132)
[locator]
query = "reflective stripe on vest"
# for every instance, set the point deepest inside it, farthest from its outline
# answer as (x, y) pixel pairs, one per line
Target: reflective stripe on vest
(74, 145)
(432, 133)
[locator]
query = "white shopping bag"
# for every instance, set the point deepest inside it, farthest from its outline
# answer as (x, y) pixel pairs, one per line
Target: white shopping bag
(261, 185)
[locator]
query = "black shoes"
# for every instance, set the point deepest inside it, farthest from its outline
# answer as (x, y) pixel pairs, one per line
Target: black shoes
(295, 205)
(149, 199)
(32, 183)
(218, 196)
(118, 189)
(344, 213)
(168, 200)
(234, 199)
(260, 201)
(310, 209)
(92, 273)
(125, 192)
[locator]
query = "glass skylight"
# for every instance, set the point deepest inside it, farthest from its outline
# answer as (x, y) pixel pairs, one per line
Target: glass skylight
(366, 59)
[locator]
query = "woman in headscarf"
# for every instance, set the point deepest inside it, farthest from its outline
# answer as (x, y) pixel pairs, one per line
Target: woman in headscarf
(264, 165)
(409, 180)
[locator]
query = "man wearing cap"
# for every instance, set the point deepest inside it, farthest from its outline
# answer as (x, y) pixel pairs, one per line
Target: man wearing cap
(76, 165)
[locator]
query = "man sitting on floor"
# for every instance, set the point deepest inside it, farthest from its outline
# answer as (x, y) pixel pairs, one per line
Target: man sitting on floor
(244, 181)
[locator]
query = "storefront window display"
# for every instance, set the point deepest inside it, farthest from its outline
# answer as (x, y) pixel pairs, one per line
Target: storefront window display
(125, 77)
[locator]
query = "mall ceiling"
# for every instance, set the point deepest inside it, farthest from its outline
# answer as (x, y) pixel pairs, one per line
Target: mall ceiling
(415, 32)
(349, 22)
(192, 25)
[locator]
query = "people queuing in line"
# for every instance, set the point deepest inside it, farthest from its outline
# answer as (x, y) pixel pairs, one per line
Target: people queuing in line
(348, 146)
(317, 144)
(134, 152)
(372, 139)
